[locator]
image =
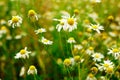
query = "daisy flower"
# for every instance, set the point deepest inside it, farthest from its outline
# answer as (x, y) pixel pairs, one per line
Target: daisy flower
(46, 41)
(71, 40)
(32, 14)
(15, 21)
(97, 56)
(78, 46)
(90, 51)
(70, 22)
(22, 71)
(41, 30)
(32, 70)
(67, 62)
(115, 52)
(91, 77)
(23, 54)
(96, 27)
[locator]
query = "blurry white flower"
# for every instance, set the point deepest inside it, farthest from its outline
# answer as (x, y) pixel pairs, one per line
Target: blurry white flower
(32, 14)
(90, 51)
(41, 30)
(23, 54)
(71, 40)
(22, 71)
(32, 70)
(97, 56)
(95, 1)
(78, 46)
(2, 22)
(18, 36)
(15, 21)
(91, 77)
(96, 27)
(46, 41)
(72, 61)
(67, 23)
(115, 52)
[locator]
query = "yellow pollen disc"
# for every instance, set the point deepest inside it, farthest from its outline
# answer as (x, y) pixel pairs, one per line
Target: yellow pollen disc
(31, 13)
(71, 39)
(67, 62)
(97, 55)
(95, 27)
(106, 65)
(91, 75)
(39, 30)
(90, 48)
(15, 19)
(45, 40)
(70, 21)
(109, 70)
(115, 50)
(22, 51)
(32, 67)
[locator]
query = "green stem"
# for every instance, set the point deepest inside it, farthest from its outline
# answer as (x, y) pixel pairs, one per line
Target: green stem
(79, 71)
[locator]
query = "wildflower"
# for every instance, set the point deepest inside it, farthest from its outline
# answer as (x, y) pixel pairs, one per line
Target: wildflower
(32, 14)
(109, 70)
(2, 22)
(15, 21)
(96, 27)
(70, 22)
(95, 1)
(22, 71)
(78, 46)
(110, 18)
(77, 59)
(76, 11)
(23, 54)
(46, 41)
(32, 70)
(94, 70)
(41, 30)
(97, 56)
(115, 52)
(71, 40)
(67, 62)
(90, 50)
(91, 77)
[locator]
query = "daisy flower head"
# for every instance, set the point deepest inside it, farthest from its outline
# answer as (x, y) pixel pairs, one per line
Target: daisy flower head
(23, 53)
(96, 27)
(97, 56)
(22, 71)
(115, 52)
(46, 41)
(32, 70)
(90, 50)
(78, 46)
(106, 64)
(71, 40)
(32, 14)
(91, 77)
(15, 21)
(70, 22)
(67, 62)
(41, 30)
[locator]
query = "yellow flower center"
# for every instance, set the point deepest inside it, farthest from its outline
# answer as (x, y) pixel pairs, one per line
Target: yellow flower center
(95, 27)
(115, 50)
(109, 70)
(77, 58)
(70, 21)
(32, 67)
(76, 11)
(15, 19)
(106, 65)
(91, 75)
(22, 51)
(90, 48)
(45, 40)
(97, 55)
(40, 30)
(67, 62)
(31, 13)
(71, 39)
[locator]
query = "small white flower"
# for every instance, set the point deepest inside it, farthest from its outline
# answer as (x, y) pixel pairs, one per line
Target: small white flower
(78, 46)
(96, 27)
(15, 21)
(41, 30)
(90, 51)
(115, 52)
(32, 70)
(32, 14)
(97, 56)
(91, 77)
(23, 54)
(22, 71)
(46, 41)
(71, 40)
